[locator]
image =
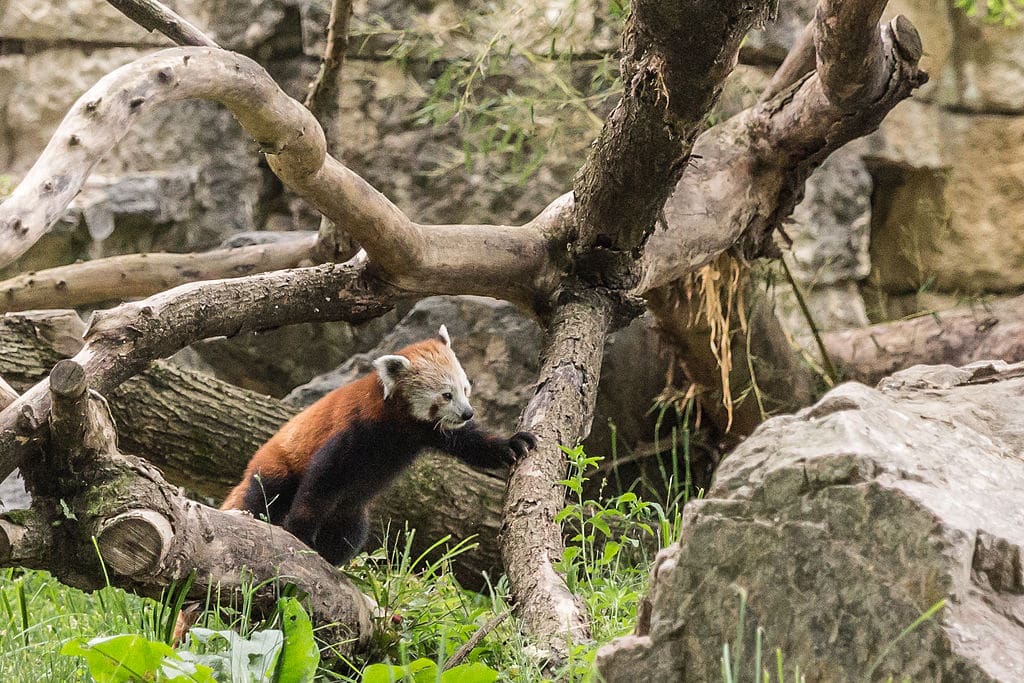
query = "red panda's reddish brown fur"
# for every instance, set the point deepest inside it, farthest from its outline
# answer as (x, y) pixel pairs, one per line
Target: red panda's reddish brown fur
(318, 475)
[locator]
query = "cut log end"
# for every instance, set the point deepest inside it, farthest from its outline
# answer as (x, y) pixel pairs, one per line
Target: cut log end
(908, 40)
(134, 543)
(67, 379)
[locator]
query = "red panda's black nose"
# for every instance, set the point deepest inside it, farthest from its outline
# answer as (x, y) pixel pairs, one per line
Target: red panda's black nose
(467, 414)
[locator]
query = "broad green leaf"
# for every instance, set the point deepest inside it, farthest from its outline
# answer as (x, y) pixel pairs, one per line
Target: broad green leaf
(474, 672)
(611, 549)
(119, 659)
(300, 656)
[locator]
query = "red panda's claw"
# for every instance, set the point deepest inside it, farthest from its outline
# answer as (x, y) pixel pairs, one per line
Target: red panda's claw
(521, 443)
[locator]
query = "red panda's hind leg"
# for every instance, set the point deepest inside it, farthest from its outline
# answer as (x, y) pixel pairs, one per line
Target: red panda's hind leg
(342, 535)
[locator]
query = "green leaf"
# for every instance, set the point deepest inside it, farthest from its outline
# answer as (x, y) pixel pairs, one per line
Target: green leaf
(601, 525)
(119, 659)
(422, 670)
(382, 673)
(611, 549)
(239, 659)
(474, 672)
(300, 656)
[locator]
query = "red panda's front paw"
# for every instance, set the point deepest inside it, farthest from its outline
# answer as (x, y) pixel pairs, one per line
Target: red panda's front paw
(520, 443)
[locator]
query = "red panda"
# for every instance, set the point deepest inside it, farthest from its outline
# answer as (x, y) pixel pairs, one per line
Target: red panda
(319, 474)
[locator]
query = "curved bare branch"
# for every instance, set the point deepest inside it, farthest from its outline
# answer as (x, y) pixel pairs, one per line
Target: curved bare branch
(138, 275)
(511, 262)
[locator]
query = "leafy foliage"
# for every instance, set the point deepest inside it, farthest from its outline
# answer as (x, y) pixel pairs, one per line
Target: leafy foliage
(532, 85)
(1007, 12)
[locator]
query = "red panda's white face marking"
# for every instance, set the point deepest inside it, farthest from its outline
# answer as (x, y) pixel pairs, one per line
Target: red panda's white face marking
(431, 380)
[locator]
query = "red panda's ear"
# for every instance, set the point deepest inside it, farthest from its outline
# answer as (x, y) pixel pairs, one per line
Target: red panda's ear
(442, 334)
(390, 369)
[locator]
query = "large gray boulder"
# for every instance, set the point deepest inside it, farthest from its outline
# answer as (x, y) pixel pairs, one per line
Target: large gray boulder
(843, 524)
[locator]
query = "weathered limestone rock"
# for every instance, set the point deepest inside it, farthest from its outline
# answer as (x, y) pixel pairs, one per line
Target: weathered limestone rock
(946, 212)
(843, 524)
(831, 235)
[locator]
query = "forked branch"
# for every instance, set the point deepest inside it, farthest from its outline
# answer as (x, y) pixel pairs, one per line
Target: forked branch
(503, 261)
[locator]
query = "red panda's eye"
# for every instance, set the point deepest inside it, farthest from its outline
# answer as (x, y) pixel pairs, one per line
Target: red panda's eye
(447, 395)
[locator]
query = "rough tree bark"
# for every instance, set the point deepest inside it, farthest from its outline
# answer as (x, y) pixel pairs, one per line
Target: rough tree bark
(584, 260)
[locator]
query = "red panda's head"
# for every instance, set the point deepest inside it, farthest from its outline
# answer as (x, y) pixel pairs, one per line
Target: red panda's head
(430, 379)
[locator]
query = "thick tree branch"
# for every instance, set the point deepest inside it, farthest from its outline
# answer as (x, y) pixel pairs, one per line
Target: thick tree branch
(559, 414)
(26, 539)
(138, 275)
(7, 394)
(155, 16)
(751, 169)
(150, 536)
(851, 63)
(503, 261)
(675, 57)
(955, 337)
(121, 342)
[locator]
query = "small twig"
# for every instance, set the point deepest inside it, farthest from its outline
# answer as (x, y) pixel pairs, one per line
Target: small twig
(474, 640)
(324, 100)
(322, 97)
(826, 360)
(155, 16)
(798, 62)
